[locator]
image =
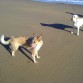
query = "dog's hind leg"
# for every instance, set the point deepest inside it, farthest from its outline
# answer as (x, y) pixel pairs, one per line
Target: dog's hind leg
(13, 53)
(73, 30)
(14, 48)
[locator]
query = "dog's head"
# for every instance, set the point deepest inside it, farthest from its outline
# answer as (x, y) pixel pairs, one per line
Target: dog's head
(35, 40)
(75, 18)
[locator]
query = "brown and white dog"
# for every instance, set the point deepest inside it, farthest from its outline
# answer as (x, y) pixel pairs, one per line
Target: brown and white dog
(34, 43)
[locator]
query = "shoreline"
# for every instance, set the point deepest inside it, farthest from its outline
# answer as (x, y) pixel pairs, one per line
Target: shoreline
(62, 2)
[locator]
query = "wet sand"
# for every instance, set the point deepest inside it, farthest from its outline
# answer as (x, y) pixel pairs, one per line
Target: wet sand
(62, 53)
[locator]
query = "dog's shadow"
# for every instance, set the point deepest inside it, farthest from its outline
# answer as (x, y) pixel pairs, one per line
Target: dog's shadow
(74, 14)
(21, 49)
(57, 26)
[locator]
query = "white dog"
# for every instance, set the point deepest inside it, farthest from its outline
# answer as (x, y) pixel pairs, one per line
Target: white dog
(77, 23)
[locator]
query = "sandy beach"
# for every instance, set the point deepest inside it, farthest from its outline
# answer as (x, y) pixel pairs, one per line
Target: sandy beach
(62, 53)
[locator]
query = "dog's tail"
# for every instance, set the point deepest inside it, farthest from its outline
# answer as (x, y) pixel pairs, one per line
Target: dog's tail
(3, 41)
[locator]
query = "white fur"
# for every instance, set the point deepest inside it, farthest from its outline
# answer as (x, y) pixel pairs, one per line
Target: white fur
(77, 23)
(2, 40)
(38, 47)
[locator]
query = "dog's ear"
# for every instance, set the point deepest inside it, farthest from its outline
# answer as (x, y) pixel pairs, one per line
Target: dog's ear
(39, 38)
(26, 38)
(33, 35)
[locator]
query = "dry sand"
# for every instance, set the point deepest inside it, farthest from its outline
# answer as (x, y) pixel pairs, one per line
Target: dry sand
(62, 53)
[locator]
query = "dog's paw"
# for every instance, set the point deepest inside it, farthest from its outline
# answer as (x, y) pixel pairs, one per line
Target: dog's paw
(71, 32)
(77, 34)
(13, 55)
(35, 62)
(38, 57)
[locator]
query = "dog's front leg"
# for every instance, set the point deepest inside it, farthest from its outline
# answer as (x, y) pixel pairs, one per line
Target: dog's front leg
(78, 30)
(33, 57)
(37, 55)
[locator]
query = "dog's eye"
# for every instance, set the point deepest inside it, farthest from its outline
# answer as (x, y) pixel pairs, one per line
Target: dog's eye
(34, 42)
